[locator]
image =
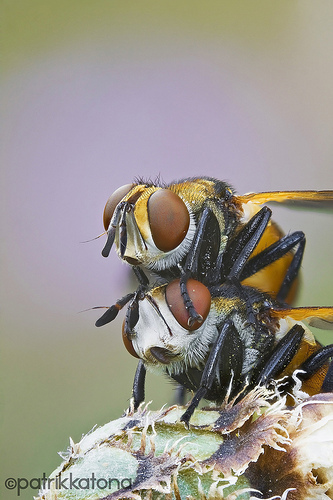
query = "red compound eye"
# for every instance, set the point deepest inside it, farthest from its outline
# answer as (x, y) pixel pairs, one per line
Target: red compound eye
(113, 201)
(128, 343)
(168, 219)
(200, 296)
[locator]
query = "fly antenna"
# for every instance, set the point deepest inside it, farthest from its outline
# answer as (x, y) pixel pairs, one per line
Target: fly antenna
(93, 239)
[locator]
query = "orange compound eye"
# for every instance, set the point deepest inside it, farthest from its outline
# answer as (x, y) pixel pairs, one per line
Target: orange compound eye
(168, 219)
(200, 296)
(113, 201)
(128, 343)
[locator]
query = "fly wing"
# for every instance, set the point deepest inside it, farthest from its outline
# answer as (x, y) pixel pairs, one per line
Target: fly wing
(319, 317)
(322, 200)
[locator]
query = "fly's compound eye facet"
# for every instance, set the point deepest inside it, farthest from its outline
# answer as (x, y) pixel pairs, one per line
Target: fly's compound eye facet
(113, 201)
(198, 293)
(169, 219)
(127, 342)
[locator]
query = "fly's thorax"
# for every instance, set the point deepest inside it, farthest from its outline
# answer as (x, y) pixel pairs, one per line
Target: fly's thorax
(197, 190)
(253, 335)
(162, 342)
(227, 302)
(199, 193)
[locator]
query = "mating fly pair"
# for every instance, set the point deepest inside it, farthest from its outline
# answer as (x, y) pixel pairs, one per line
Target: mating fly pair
(198, 228)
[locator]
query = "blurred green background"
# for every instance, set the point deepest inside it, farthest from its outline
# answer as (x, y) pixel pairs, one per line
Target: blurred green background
(95, 93)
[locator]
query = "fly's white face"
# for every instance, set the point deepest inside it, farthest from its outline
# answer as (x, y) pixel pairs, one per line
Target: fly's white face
(150, 226)
(160, 340)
